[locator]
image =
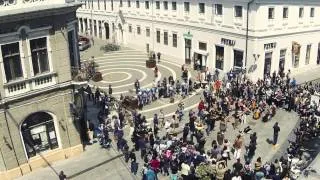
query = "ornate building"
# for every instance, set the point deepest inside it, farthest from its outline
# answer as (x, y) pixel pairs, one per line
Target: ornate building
(256, 35)
(38, 47)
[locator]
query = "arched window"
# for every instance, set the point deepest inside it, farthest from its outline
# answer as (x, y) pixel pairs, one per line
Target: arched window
(38, 133)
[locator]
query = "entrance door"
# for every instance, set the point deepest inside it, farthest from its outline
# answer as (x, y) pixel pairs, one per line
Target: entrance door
(106, 27)
(267, 63)
(282, 60)
(318, 58)
(187, 51)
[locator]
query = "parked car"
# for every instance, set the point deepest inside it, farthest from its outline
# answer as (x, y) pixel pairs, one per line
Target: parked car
(83, 45)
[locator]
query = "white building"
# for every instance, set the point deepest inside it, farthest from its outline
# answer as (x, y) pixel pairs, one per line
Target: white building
(261, 36)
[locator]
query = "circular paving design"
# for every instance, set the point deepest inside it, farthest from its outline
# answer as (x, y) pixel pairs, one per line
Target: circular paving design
(122, 69)
(113, 77)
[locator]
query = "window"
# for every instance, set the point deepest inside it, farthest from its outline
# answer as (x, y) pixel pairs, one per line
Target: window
(39, 133)
(72, 48)
(130, 28)
(201, 8)
(238, 58)
(186, 7)
(301, 12)
(238, 11)
(138, 30)
(137, 4)
(157, 4)
(129, 3)
(39, 55)
(98, 4)
(282, 60)
(271, 13)
(148, 32)
(312, 12)
(174, 6)
(158, 36)
(12, 61)
(218, 9)
(174, 40)
(165, 38)
(105, 4)
(147, 4)
(219, 57)
(203, 46)
(285, 13)
(308, 54)
(165, 5)
(121, 4)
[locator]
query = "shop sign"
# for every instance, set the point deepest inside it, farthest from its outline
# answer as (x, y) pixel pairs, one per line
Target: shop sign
(188, 35)
(228, 42)
(270, 46)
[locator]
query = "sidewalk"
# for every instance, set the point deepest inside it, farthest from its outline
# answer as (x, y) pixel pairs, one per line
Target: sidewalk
(94, 163)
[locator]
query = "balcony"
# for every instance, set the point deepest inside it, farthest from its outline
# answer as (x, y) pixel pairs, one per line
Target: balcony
(21, 86)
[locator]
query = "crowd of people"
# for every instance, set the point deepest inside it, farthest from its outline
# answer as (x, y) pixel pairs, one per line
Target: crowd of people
(232, 100)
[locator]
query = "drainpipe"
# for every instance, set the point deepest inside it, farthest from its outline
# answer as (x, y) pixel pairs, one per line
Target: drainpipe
(247, 32)
(5, 108)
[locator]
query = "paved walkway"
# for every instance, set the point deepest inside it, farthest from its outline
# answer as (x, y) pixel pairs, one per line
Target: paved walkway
(98, 163)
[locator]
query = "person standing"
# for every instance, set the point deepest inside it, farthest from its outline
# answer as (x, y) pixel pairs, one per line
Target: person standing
(62, 176)
(237, 146)
(276, 130)
(110, 89)
(159, 56)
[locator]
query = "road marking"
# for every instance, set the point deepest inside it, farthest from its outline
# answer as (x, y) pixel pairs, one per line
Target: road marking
(168, 68)
(121, 72)
(120, 86)
(170, 114)
(167, 105)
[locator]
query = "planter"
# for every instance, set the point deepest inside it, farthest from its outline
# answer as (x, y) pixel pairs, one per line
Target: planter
(151, 63)
(97, 77)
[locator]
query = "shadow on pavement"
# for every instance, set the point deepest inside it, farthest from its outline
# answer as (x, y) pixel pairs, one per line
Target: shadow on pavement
(95, 166)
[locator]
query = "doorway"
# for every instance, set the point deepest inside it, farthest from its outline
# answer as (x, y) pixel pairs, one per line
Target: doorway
(200, 61)
(188, 46)
(267, 64)
(106, 27)
(282, 61)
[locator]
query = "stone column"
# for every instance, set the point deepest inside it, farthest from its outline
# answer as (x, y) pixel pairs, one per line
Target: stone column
(98, 28)
(83, 25)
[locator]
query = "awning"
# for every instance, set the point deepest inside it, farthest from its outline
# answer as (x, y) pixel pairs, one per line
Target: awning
(202, 52)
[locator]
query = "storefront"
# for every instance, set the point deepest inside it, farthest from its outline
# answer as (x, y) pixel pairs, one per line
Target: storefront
(318, 56)
(237, 58)
(39, 134)
(295, 54)
(219, 57)
(268, 48)
(282, 61)
(200, 59)
(188, 47)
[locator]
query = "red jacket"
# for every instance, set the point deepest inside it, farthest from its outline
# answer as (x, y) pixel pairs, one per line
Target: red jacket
(155, 164)
(201, 106)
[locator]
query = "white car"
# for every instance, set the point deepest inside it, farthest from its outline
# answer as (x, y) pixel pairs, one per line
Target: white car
(83, 45)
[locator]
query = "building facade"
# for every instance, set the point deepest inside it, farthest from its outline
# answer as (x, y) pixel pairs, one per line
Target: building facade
(261, 36)
(38, 47)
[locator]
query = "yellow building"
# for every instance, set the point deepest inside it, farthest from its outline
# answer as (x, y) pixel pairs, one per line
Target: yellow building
(38, 48)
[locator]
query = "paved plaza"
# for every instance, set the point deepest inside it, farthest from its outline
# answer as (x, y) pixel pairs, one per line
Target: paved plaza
(121, 69)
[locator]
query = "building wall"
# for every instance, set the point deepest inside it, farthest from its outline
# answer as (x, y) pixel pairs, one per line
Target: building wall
(53, 98)
(211, 28)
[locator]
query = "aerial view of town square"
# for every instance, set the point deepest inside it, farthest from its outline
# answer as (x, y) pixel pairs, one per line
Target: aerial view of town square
(159, 89)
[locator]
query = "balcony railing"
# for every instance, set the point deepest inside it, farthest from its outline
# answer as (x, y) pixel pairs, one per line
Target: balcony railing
(19, 4)
(24, 85)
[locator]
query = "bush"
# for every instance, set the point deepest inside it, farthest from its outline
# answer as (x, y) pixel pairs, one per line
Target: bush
(110, 47)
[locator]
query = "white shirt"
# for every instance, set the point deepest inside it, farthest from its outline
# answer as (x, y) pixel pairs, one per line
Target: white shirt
(185, 169)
